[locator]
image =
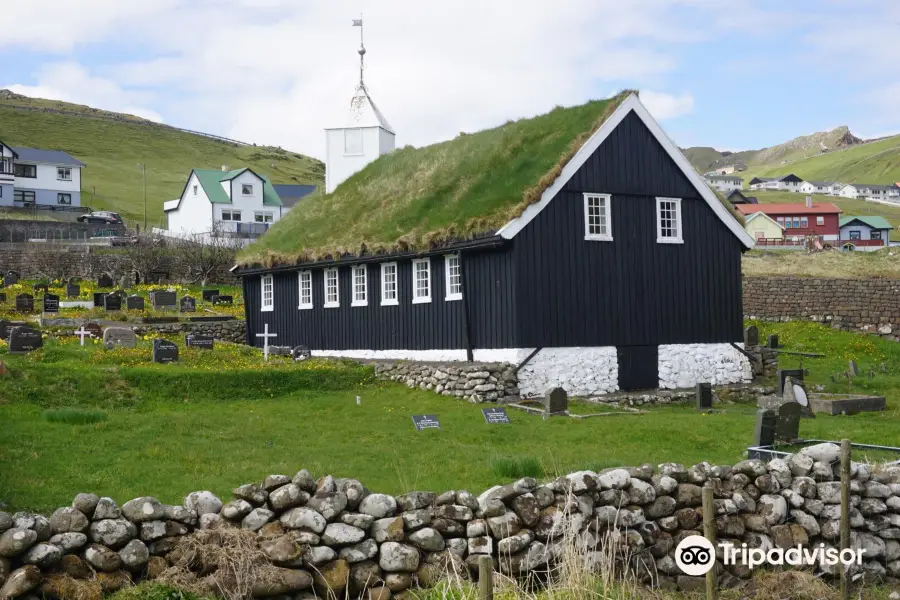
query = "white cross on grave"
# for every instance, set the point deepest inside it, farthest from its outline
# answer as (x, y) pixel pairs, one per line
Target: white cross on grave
(265, 336)
(81, 333)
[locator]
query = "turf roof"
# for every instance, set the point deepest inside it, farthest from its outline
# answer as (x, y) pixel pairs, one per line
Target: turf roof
(419, 198)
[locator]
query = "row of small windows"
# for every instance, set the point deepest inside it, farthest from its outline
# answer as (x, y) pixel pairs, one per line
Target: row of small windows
(798, 222)
(421, 285)
(598, 219)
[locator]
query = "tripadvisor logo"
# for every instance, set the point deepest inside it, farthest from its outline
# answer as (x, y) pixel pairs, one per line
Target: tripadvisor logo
(695, 555)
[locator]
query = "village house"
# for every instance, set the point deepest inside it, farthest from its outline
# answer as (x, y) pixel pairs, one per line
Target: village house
(829, 188)
(237, 202)
(787, 183)
(724, 183)
(31, 176)
(737, 197)
(864, 232)
(871, 191)
(290, 194)
(763, 228)
(819, 219)
(594, 257)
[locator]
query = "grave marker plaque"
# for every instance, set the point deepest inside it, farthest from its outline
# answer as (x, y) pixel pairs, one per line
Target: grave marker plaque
(11, 278)
(751, 336)
(187, 304)
(787, 425)
(25, 303)
(495, 416)
(426, 422)
(105, 281)
(773, 341)
(223, 300)
(73, 290)
(134, 303)
(764, 431)
(164, 351)
(3, 297)
(7, 326)
(94, 329)
(163, 299)
(556, 401)
(704, 396)
(51, 303)
(200, 341)
(119, 336)
(208, 295)
(24, 339)
(112, 302)
(99, 299)
(300, 352)
(782, 374)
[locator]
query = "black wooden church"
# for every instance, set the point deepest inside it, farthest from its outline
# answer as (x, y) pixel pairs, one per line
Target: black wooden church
(623, 272)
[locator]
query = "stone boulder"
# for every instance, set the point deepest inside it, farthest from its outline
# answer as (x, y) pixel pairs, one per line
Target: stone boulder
(203, 503)
(134, 555)
(305, 519)
(102, 558)
(21, 581)
(394, 557)
(338, 535)
(15, 541)
(67, 519)
(145, 508)
(378, 505)
(114, 533)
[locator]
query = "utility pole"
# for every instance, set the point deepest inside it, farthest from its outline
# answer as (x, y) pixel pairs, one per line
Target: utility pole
(144, 185)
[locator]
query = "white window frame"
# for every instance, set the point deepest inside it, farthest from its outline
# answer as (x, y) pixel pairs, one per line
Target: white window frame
(415, 265)
(448, 284)
(246, 189)
(337, 288)
(606, 212)
(678, 239)
(267, 280)
(64, 173)
(64, 198)
(820, 220)
(304, 277)
(267, 217)
(231, 215)
(385, 301)
(354, 298)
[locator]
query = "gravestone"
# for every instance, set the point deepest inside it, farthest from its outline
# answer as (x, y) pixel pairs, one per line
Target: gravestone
(208, 295)
(94, 329)
(223, 300)
(3, 297)
(187, 304)
(24, 339)
(426, 422)
(11, 278)
(73, 290)
(163, 299)
(495, 416)
(784, 373)
(854, 369)
(105, 281)
(164, 351)
(773, 341)
(300, 353)
(7, 326)
(751, 336)
(764, 430)
(198, 340)
(40, 288)
(25, 303)
(787, 423)
(99, 299)
(112, 302)
(134, 303)
(704, 396)
(119, 336)
(51, 303)
(795, 392)
(556, 401)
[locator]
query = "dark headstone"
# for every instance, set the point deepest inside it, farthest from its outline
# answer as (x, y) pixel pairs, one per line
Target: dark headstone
(3, 297)
(208, 295)
(782, 373)
(556, 401)
(134, 303)
(704, 396)
(24, 339)
(773, 341)
(99, 298)
(119, 336)
(787, 424)
(300, 353)
(112, 302)
(854, 369)
(751, 336)
(223, 300)
(764, 431)
(11, 278)
(94, 329)
(7, 326)
(495, 415)
(105, 281)
(197, 340)
(426, 422)
(73, 290)
(25, 303)
(39, 288)
(163, 299)
(164, 351)
(51, 303)
(187, 304)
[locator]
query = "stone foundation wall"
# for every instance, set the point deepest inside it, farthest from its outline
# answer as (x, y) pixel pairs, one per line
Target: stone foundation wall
(229, 331)
(335, 535)
(478, 382)
(686, 365)
(869, 305)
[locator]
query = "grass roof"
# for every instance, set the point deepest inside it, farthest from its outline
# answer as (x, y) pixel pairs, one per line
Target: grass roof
(420, 198)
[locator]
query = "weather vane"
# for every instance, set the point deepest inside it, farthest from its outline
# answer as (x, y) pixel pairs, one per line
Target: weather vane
(362, 48)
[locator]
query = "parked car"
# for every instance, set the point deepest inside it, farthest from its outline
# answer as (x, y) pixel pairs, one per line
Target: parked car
(101, 216)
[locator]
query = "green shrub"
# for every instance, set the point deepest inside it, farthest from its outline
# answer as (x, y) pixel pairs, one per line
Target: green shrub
(516, 468)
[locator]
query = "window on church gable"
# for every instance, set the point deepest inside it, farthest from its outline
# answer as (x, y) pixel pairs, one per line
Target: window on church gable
(332, 298)
(668, 221)
(421, 281)
(360, 286)
(389, 284)
(353, 141)
(597, 221)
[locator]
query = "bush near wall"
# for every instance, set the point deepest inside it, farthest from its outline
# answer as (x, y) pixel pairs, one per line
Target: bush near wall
(290, 534)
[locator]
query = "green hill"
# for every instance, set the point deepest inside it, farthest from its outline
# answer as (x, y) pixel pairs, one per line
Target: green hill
(112, 144)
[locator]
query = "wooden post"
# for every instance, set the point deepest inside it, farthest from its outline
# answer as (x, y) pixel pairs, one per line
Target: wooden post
(845, 515)
(485, 577)
(709, 532)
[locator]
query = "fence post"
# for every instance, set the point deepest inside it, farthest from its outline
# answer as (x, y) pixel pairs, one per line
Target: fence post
(709, 532)
(845, 515)
(485, 577)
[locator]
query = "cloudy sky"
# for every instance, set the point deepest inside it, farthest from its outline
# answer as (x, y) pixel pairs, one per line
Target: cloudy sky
(732, 74)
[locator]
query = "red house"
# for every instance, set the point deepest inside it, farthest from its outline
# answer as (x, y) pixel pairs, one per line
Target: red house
(800, 220)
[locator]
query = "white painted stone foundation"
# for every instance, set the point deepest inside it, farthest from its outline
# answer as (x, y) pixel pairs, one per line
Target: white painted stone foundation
(686, 365)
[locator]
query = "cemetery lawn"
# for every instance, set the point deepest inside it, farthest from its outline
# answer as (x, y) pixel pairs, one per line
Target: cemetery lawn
(82, 420)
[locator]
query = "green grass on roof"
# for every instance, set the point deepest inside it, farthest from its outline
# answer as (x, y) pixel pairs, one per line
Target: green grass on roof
(417, 198)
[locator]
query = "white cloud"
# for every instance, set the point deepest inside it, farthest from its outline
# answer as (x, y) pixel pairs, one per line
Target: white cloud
(667, 106)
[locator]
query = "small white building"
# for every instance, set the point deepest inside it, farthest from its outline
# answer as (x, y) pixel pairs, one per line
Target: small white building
(724, 183)
(33, 176)
(849, 191)
(872, 191)
(827, 188)
(236, 202)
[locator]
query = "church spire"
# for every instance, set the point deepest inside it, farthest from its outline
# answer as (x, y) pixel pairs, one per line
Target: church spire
(362, 50)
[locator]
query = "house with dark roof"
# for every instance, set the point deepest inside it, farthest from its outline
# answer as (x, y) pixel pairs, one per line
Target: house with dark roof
(238, 202)
(31, 176)
(291, 194)
(864, 232)
(871, 191)
(788, 183)
(593, 257)
(737, 197)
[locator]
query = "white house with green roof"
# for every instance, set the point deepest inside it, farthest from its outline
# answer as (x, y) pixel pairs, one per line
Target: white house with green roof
(236, 202)
(865, 232)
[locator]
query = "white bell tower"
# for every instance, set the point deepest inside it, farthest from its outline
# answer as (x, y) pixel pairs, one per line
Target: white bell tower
(364, 136)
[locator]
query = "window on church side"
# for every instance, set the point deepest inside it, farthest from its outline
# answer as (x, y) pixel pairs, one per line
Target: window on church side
(353, 141)
(332, 300)
(389, 284)
(421, 280)
(360, 288)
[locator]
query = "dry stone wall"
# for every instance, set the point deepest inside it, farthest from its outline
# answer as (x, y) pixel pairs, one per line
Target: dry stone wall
(299, 534)
(477, 382)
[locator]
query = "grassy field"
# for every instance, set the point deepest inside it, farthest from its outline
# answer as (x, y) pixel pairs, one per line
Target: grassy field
(221, 419)
(836, 264)
(111, 145)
